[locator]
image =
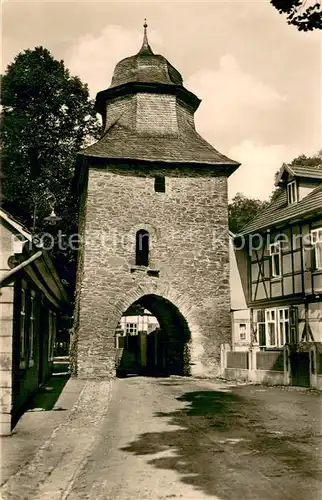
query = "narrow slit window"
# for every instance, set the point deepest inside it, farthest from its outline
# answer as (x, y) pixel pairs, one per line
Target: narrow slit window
(159, 184)
(142, 248)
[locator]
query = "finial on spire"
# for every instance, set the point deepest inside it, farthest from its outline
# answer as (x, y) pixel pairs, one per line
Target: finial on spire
(145, 49)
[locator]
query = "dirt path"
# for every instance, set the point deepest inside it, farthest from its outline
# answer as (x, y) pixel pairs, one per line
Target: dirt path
(195, 440)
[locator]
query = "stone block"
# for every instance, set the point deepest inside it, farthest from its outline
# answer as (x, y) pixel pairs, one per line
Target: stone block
(5, 424)
(6, 310)
(5, 378)
(6, 327)
(5, 400)
(6, 294)
(189, 246)
(5, 361)
(6, 341)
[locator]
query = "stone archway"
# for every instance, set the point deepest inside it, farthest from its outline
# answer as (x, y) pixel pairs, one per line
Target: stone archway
(94, 353)
(167, 349)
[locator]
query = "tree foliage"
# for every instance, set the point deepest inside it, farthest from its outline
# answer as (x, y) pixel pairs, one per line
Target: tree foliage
(242, 210)
(307, 161)
(47, 116)
(306, 17)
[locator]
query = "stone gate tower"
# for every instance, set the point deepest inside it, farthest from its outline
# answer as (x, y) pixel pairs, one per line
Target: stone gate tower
(153, 217)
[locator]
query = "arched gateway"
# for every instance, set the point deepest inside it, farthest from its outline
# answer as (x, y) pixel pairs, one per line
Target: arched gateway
(153, 220)
(163, 351)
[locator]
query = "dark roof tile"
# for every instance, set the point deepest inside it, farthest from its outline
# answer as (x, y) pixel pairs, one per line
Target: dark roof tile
(307, 171)
(186, 147)
(279, 211)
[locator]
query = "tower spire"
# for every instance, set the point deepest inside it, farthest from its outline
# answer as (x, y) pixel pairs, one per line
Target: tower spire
(145, 49)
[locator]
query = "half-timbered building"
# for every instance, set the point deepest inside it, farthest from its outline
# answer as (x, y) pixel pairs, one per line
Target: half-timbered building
(279, 256)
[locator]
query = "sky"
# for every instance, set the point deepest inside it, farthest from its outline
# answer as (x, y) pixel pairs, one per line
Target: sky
(259, 79)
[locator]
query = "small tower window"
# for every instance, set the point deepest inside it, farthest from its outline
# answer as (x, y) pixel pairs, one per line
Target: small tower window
(142, 248)
(159, 184)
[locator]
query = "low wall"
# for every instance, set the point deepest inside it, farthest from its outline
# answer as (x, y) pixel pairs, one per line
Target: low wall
(270, 360)
(265, 377)
(319, 363)
(318, 384)
(236, 374)
(273, 367)
(269, 377)
(237, 359)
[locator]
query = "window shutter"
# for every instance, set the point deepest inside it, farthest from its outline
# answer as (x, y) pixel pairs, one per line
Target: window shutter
(271, 266)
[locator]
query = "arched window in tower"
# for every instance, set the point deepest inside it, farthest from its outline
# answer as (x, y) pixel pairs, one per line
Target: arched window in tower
(142, 248)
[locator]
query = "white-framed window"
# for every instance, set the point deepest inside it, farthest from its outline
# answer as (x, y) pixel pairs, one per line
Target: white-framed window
(23, 326)
(293, 314)
(292, 192)
(273, 326)
(316, 242)
(131, 328)
(32, 328)
(283, 326)
(52, 334)
(259, 329)
(242, 331)
(270, 328)
(275, 253)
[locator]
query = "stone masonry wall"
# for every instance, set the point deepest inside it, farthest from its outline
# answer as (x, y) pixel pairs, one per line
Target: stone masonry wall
(6, 333)
(188, 246)
(79, 279)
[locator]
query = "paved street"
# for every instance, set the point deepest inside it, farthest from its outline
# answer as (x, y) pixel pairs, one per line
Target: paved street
(193, 439)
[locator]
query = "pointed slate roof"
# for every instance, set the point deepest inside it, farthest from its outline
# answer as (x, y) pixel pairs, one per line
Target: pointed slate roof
(148, 115)
(145, 66)
(187, 147)
(145, 50)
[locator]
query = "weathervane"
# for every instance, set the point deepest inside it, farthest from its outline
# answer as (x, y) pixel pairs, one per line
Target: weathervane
(145, 49)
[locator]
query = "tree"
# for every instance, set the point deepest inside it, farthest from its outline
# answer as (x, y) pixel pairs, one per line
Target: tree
(306, 17)
(47, 116)
(242, 210)
(307, 161)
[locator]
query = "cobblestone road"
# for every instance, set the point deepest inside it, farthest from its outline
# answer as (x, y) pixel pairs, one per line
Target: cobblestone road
(195, 440)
